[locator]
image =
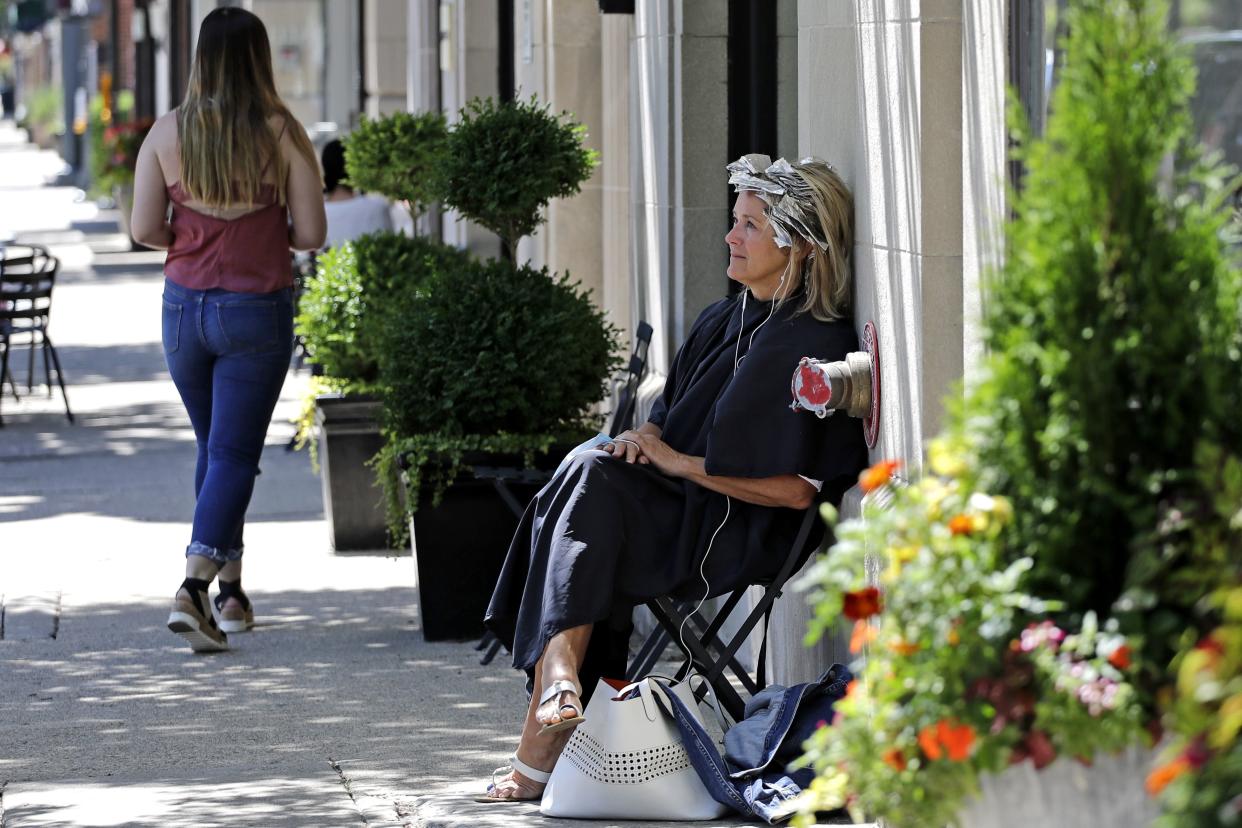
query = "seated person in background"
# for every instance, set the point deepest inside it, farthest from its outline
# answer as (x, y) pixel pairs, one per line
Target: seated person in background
(349, 215)
(707, 494)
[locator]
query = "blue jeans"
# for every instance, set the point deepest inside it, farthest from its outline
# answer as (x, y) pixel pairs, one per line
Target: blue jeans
(228, 354)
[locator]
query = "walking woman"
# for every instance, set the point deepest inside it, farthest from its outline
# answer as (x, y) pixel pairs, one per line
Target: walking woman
(243, 185)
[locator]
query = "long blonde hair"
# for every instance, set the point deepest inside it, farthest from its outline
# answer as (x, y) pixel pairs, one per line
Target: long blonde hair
(826, 273)
(226, 141)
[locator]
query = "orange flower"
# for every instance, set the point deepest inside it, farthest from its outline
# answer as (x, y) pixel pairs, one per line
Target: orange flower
(863, 635)
(929, 744)
(953, 637)
(962, 524)
(895, 759)
(947, 737)
(879, 474)
(1120, 657)
(861, 604)
(902, 647)
(1160, 778)
(958, 740)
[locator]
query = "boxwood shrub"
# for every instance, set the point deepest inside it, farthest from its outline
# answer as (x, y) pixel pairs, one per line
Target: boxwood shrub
(341, 310)
(486, 347)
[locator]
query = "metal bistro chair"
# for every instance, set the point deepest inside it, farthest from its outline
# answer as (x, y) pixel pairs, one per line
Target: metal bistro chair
(27, 276)
(703, 647)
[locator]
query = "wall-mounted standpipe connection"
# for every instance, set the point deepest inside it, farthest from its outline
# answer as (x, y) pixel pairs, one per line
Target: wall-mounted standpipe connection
(851, 385)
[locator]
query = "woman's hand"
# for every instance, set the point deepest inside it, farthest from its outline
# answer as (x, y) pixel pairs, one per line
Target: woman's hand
(646, 448)
(661, 455)
(627, 446)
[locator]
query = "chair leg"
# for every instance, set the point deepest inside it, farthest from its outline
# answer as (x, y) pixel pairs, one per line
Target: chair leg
(671, 617)
(649, 654)
(60, 375)
(5, 373)
(30, 365)
(47, 372)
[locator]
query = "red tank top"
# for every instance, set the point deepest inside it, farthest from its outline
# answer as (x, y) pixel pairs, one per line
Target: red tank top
(248, 254)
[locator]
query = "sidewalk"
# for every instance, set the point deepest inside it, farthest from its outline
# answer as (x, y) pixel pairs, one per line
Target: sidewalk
(333, 712)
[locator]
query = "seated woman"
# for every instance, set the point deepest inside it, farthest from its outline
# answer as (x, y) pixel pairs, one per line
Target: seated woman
(700, 499)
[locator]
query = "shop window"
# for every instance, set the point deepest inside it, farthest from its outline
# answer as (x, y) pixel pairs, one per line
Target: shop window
(1211, 29)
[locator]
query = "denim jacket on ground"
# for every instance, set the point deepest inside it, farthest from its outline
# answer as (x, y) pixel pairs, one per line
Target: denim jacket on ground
(753, 777)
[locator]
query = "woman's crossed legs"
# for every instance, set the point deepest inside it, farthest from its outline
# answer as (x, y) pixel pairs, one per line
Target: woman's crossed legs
(561, 660)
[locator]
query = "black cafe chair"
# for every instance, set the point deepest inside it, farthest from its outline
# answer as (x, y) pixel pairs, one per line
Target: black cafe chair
(27, 277)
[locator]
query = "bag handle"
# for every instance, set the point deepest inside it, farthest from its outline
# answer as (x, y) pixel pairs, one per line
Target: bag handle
(664, 684)
(709, 693)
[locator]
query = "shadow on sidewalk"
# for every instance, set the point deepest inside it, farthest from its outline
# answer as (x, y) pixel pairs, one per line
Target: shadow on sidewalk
(327, 673)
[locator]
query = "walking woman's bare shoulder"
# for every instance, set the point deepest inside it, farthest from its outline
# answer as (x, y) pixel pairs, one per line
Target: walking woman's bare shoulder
(163, 139)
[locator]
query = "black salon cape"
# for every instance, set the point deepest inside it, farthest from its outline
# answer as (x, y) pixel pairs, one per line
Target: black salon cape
(605, 535)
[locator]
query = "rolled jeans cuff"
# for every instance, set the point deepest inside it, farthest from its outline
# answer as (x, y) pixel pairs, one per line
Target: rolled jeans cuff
(214, 553)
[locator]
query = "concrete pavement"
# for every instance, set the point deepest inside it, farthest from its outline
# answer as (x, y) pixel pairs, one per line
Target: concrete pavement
(333, 712)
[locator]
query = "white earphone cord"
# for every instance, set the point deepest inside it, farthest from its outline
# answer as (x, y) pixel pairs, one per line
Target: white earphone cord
(707, 587)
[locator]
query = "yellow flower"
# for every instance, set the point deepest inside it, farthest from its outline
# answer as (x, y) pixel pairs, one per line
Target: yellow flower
(904, 554)
(1229, 723)
(944, 459)
(1233, 604)
(934, 492)
(1002, 509)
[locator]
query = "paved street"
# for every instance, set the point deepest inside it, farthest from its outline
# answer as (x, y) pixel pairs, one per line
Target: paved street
(333, 712)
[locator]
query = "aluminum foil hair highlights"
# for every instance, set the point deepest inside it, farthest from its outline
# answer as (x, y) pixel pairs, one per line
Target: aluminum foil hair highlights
(790, 206)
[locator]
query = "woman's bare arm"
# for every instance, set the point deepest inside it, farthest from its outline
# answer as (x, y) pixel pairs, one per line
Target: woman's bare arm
(643, 445)
(305, 197)
(787, 490)
(147, 223)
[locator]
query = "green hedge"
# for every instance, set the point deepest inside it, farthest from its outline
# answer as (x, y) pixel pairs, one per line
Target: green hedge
(342, 312)
(489, 347)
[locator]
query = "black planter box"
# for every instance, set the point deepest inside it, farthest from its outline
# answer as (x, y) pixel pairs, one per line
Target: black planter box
(459, 547)
(353, 502)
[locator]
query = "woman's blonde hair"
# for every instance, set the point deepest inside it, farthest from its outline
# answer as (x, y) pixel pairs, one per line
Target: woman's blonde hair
(226, 142)
(827, 274)
(811, 213)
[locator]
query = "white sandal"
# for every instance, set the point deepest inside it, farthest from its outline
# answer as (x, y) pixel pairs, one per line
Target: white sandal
(551, 692)
(515, 764)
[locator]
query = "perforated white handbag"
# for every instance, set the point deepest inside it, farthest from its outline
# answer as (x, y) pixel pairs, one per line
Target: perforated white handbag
(627, 761)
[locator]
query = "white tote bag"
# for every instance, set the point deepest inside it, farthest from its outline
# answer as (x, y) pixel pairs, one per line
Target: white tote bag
(627, 761)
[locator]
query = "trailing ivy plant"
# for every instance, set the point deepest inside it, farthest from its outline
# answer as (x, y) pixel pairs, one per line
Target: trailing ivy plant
(507, 159)
(400, 156)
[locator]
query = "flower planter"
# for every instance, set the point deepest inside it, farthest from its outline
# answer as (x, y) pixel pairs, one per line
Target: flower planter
(1067, 794)
(459, 547)
(353, 502)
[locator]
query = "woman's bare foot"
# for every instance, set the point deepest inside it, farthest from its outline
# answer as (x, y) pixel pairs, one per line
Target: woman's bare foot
(565, 705)
(538, 749)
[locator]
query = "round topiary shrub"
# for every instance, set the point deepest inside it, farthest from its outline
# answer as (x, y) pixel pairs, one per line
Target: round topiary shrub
(354, 285)
(507, 160)
(400, 156)
(486, 347)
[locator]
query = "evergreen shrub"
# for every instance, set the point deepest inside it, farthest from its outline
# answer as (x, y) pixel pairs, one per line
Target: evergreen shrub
(400, 156)
(488, 357)
(1115, 335)
(1070, 577)
(341, 314)
(507, 159)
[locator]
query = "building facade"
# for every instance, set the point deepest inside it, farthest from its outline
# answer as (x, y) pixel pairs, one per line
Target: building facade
(906, 98)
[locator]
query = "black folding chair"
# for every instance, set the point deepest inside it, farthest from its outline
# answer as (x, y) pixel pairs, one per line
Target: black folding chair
(699, 638)
(502, 477)
(27, 277)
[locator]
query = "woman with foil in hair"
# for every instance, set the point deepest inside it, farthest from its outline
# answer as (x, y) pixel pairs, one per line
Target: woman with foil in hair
(227, 183)
(692, 502)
